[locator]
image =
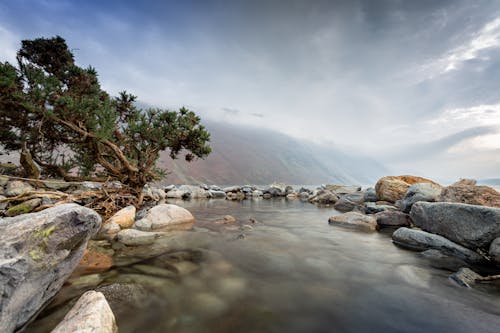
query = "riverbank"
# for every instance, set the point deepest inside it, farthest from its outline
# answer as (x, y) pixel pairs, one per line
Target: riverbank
(155, 247)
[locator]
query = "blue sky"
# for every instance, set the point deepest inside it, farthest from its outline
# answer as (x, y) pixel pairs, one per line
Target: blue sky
(413, 84)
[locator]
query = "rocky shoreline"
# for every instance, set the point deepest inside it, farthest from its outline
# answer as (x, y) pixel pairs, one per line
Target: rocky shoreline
(48, 239)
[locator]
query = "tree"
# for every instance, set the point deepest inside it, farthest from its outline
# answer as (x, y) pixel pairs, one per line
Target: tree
(56, 114)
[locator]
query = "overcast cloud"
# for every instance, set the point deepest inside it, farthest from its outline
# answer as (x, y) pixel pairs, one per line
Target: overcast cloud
(391, 79)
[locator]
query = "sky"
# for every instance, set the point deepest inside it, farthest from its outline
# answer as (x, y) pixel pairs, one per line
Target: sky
(413, 84)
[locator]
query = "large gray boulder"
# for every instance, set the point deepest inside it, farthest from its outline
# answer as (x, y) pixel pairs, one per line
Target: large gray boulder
(90, 314)
(419, 240)
(38, 252)
(419, 192)
(348, 202)
(468, 225)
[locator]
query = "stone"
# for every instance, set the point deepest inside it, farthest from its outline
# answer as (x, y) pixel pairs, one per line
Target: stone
(468, 225)
(373, 208)
(354, 220)
(38, 252)
(393, 188)
(291, 196)
(195, 192)
(419, 240)
(419, 192)
(23, 208)
(342, 189)
(257, 193)
(437, 259)
(347, 202)
(392, 219)
(123, 297)
(125, 217)
(232, 189)
(17, 187)
(108, 231)
(90, 186)
(3, 205)
(94, 262)
(370, 195)
(465, 182)
(465, 277)
(90, 314)
(324, 197)
(165, 217)
(134, 237)
(217, 194)
(58, 185)
(177, 194)
(470, 194)
(169, 187)
(289, 189)
(494, 251)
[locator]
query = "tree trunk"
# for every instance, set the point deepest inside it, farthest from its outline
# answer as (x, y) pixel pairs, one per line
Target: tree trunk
(30, 168)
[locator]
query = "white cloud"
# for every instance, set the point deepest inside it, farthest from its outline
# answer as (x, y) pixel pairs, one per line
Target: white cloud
(9, 42)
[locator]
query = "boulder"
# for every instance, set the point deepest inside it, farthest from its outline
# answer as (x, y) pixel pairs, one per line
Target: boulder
(495, 250)
(38, 252)
(178, 194)
(354, 220)
(347, 202)
(324, 197)
(164, 217)
(90, 314)
(24, 207)
(393, 188)
(392, 219)
(370, 195)
(471, 194)
(465, 277)
(217, 194)
(373, 208)
(468, 225)
(419, 240)
(17, 187)
(125, 217)
(419, 192)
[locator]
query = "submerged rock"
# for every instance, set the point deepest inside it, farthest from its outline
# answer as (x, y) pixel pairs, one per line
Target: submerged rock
(468, 225)
(440, 260)
(354, 220)
(465, 277)
(394, 188)
(91, 314)
(419, 240)
(38, 252)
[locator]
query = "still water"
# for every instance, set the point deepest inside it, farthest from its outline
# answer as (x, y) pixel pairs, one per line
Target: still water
(292, 272)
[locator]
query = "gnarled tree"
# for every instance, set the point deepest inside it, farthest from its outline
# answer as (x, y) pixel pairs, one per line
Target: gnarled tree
(56, 114)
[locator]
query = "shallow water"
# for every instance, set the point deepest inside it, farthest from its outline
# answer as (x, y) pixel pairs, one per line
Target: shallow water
(295, 273)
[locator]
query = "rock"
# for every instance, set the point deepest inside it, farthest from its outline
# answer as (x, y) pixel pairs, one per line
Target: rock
(178, 194)
(274, 192)
(470, 194)
(38, 252)
(392, 219)
(465, 182)
(123, 297)
(91, 314)
(373, 208)
(347, 202)
(232, 189)
(17, 187)
(437, 259)
(393, 188)
(133, 237)
(289, 189)
(125, 217)
(157, 194)
(342, 189)
(419, 192)
(108, 231)
(354, 220)
(214, 188)
(468, 225)
(419, 240)
(164, 217)
(195, 192)
(23, 208)
(94, 262)
(89, 186)
(227, 219)
(208, 305)
(495, 250)
(3, 205)
(257, 193)
(370, 195)
(291, 196)
(465, 277)
(3, 180)
(169, 188)
(58, 185)
(324, 197)
(217, 194)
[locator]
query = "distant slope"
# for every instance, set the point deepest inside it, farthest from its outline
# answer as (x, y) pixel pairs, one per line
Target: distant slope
(490, 181)
(244, 155)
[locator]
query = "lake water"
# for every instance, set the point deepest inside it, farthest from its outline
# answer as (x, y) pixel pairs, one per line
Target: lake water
(295, 273)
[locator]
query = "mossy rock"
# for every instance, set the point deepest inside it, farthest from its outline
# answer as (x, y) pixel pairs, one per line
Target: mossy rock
(23, 208)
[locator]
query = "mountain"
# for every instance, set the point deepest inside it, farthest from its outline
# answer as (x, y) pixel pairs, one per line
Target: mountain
(249, 155)
(490, 181)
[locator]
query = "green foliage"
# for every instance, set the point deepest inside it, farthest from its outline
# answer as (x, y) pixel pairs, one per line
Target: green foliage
(59, 112)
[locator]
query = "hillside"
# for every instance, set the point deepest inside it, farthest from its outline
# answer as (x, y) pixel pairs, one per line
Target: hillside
(256, 156)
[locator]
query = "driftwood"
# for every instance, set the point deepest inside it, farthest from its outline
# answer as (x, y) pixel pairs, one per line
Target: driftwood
(488, 278)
